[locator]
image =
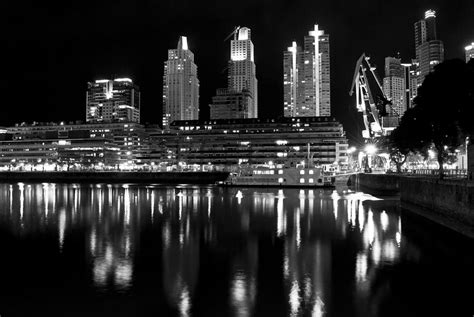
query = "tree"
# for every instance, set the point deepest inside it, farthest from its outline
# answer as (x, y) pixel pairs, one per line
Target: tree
(442, 113)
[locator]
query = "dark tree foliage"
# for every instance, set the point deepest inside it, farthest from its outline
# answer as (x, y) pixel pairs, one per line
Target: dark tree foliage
(443, 112)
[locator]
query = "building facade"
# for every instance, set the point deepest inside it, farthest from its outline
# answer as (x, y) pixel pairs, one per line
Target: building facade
(394, 86)
(469, 52)
(73, 146)
(231, 105)
(115, 100)
(231, 143)
(242, 72)
(180, 85)
(429, 50)
(306, 77)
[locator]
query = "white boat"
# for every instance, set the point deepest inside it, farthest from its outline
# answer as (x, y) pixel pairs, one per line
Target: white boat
(285, 176)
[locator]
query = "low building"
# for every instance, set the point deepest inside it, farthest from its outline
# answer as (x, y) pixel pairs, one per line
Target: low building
(73, 145)
(225, 144)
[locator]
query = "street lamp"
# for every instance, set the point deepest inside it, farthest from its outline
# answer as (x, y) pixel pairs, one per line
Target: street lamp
(370, 149)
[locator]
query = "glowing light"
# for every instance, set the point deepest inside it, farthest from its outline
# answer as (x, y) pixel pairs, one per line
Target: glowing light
(430, 14)
(123, 79)
(295, 298)
(370, 149)
(184, 43)
(384, 220)
(469, 47)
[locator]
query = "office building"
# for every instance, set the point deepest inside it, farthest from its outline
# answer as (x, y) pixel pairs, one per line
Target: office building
(180, 85)
(226, 144)
(411, 86)
(73, 146)
(242, 73)
(469, 52)
(429, 50)
(231, 105)
(115, 100)
(395, 89)
(306, 77)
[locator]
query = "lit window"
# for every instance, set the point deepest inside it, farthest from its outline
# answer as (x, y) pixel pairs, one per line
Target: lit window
(311, 180)
(302, 172)
(280, 172)
(280, 180)
(302, 180)
(311, 172)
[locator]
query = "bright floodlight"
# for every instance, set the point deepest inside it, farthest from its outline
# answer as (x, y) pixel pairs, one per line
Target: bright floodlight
(370, 149)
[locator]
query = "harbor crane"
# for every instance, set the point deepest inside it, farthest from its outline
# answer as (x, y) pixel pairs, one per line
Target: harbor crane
(370, 98)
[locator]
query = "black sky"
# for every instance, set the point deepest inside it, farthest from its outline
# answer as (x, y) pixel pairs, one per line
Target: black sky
(52, 50)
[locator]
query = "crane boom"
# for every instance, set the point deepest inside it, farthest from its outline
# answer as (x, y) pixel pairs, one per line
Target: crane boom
(372, 102)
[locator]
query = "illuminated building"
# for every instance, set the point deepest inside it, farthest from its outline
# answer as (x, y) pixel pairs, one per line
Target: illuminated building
(469, 52)
(73, 146)
(228, 143)
(180, 85)
(394, 87)
(242, 73)
(115, 100)
(429, 50)
(411, 86)
(231, 105)
(306, 77)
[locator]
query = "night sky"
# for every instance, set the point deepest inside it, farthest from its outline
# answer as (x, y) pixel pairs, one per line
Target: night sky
(53, 50)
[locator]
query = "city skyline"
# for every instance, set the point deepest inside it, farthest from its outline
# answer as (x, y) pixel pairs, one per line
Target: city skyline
(143, 54)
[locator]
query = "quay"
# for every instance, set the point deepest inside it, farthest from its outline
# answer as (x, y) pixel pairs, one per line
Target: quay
(116, 177)
(448, 202)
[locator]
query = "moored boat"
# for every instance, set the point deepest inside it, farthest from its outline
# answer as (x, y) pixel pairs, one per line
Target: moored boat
(281, 177)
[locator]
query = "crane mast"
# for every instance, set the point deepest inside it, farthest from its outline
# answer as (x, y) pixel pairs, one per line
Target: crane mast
(372, 102)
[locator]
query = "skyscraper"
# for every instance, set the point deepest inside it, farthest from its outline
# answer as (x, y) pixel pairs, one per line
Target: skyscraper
(469, 52)
(429, 50)
(242, 73)
(394, 87)
(180, 85)
(306, 77)
(115, 100)
(411, 87)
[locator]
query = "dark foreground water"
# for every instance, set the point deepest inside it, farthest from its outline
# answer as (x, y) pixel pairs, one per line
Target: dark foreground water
(125, 250)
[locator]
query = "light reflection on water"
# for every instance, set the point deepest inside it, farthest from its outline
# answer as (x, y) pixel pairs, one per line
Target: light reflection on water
(229, 224)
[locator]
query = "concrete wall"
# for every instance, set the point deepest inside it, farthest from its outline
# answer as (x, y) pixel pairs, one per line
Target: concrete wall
(381, 184)
(116, 177)
(451, 200)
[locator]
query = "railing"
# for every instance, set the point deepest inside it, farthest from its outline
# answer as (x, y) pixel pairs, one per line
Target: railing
(448, 173)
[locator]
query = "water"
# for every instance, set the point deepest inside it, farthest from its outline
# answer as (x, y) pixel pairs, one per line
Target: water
(126, 250)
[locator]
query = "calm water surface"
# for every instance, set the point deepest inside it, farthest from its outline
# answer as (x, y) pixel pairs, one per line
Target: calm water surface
(128, 250)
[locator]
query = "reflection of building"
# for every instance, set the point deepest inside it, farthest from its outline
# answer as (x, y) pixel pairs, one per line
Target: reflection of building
(469, 52)
(180, 85)
(429, 50)
(252, 141)
(115, 100)
(306, 77)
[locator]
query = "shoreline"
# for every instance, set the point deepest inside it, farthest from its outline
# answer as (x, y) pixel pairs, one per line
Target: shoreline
(116, 177)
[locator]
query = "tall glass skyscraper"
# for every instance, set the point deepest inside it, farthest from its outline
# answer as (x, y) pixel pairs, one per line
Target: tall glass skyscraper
(115, 100)
(306, 77)
(429, 50)
(180, 85)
